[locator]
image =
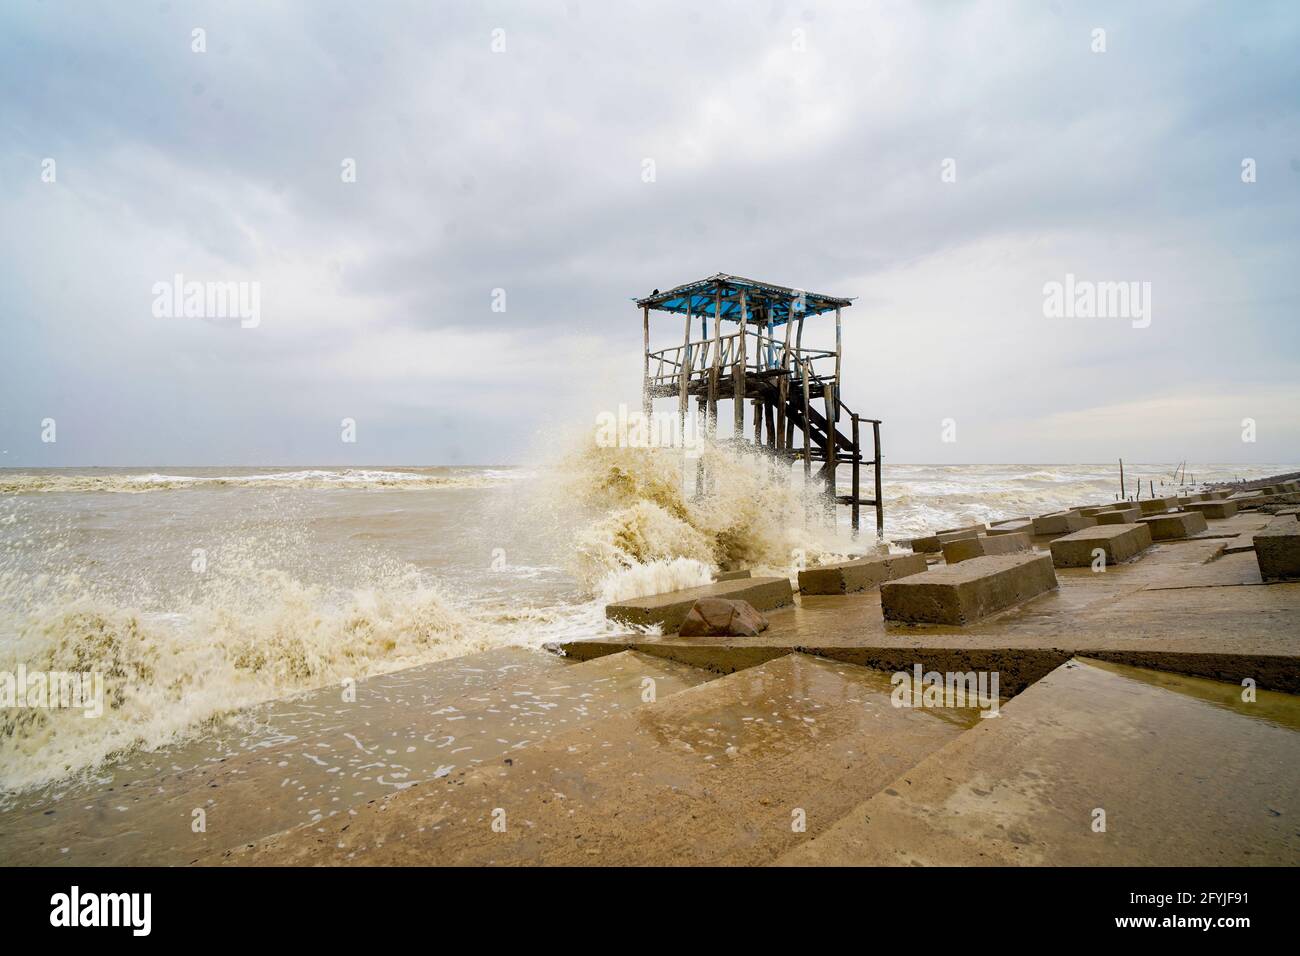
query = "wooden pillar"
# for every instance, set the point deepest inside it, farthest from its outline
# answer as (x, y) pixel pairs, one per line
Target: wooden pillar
(683, 402)
(772, 437)
(832, 451)
(783, 388)
(856, 511)
(711, 424)
(758, 423)
(880, 504)
(838, 352)
(645, 375)
(738, 377)
(807, 423)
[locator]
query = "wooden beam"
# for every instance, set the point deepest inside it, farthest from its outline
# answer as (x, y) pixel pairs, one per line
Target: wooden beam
(807, 424)
(686, 373)
(738, 376)
(838, 353)
(645, 374)
(856, 512)
(880, 502)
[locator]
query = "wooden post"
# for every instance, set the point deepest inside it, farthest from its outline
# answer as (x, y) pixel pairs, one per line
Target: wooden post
(771, 425)
(807, 424)
(838, 351)
(683, 402)
(711, 424)
(758, 423)
(783, 388)
(832, 448)
(880, 504)
(738, 377)
(645, 375)
(855, 513)
(1122, 490)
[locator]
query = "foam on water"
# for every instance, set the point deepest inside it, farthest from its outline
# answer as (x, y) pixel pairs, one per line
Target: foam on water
(606, 522)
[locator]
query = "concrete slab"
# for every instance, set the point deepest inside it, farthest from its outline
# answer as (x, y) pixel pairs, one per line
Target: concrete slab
(1025, 527)
(1143, 748)
(1125, 515)
(966, 548)
(1117, 542)
(669, 610)
(732, 575)
(860, 574)
(1061, 522)
(933, 544)
(1214, 509)
(966, 592)
(1153, 506)
(714, 775)
(1178, 524)
(1277, 549)
(404, 728)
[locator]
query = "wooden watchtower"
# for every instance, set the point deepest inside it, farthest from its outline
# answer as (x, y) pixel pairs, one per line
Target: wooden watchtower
(750, 348)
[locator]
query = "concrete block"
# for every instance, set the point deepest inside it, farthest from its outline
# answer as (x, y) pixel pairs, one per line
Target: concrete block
(669, 610)
(1023, 526)
(1119, 542)
(963, 549)
(1094, 511)
(932, 544)
(732, 575)
(1214, 509)
(1180, 524)
(1060, 522)
(1126, 515)
(1155, 506)
(1277, 549)
(968, 591)
(859, 574)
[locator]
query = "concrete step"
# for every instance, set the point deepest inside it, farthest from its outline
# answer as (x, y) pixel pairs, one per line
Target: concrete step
(1185, 772)
(858, 575)
(719, 774)
(1155, 506)
(1178, 524)
(1127, 515)
(1213, 509)
(966, 592)
(964, 549)
(933, 543)
(325, 755)
(1062, 522)
(1277, 549)
(669, 610)
(1117, 542)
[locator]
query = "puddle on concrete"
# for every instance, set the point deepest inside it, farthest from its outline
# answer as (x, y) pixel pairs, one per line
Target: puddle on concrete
(1270, 706)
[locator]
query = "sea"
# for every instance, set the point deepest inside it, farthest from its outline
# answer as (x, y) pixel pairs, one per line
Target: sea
(201, 592)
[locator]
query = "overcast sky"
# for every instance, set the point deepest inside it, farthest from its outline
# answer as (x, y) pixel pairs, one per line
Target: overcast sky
(800, 143)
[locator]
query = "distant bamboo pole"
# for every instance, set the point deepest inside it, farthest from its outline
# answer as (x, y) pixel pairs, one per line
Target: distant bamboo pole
(1123, 491)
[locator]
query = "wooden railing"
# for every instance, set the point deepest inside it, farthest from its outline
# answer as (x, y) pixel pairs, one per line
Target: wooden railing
(697, 358)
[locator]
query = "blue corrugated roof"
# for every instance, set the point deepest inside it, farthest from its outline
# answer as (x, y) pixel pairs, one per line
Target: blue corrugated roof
(763, 300)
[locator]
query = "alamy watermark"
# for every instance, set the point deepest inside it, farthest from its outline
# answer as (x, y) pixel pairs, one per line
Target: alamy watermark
(179, 299)
(917, 688)
(628, 428)
(1085, 299)
(53, 690)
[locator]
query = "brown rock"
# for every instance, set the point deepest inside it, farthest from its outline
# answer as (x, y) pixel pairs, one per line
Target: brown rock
(722, 617)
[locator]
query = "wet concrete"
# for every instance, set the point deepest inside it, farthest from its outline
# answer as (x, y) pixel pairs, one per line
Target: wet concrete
(313, 759)
(1183, 775)
(736, 771)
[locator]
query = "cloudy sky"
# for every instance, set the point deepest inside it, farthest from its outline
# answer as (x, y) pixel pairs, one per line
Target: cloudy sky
(940, 162)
